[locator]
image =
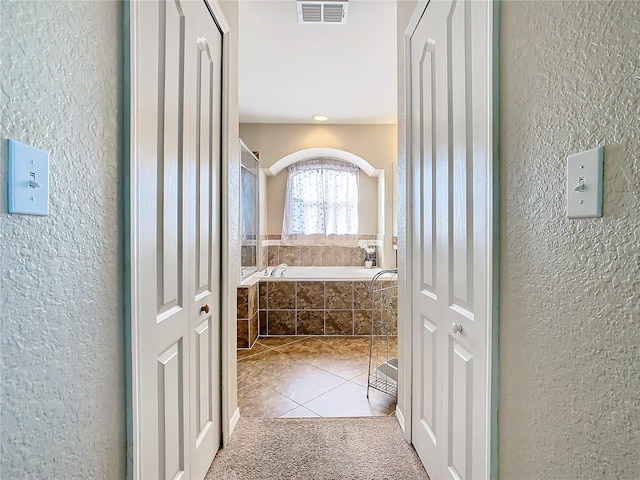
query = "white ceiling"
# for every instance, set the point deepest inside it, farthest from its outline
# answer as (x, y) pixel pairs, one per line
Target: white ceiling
(289, 72)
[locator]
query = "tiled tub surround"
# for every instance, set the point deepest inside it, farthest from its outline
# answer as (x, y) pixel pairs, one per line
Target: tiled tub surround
(320, 307)
(315, 255)
(248, 255)
(275, 252)
(247, 315)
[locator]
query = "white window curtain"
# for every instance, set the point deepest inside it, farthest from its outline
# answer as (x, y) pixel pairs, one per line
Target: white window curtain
(321, 203)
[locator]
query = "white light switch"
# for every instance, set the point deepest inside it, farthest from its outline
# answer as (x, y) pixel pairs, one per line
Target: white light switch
(584, 183)
(28, 179)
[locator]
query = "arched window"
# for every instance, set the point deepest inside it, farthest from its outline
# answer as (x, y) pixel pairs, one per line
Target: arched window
(321, 203)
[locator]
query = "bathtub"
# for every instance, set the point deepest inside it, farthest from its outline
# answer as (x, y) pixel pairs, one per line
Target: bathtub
(321, 273)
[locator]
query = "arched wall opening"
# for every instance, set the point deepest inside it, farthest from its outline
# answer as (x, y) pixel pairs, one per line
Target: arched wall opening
(280, 166)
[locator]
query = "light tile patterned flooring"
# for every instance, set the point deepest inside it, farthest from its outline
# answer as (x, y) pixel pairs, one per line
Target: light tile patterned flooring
(309, 377)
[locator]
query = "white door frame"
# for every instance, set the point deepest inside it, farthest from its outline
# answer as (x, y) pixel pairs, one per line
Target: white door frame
(132, 200)
(228, 334)
(405, 327)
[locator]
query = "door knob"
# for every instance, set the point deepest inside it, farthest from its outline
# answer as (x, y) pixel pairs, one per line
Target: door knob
(456, 327)
(205, 308)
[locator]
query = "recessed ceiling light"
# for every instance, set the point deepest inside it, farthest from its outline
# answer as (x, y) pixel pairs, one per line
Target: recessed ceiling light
(320, 118)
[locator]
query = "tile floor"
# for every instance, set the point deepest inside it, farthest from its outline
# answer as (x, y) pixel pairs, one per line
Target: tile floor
(309, 377)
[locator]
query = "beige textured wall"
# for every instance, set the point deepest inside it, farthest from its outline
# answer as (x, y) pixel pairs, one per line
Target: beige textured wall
(375, 143)
(570, 289)
(61, 276)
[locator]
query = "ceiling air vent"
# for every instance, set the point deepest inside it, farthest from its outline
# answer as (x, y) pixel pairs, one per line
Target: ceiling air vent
(322, 11)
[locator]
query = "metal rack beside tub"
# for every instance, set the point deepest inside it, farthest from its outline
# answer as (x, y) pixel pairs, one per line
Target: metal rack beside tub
(383, 361)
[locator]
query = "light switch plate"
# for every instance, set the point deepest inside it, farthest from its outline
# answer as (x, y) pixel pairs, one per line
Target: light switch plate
(28, 179)
(584, 183)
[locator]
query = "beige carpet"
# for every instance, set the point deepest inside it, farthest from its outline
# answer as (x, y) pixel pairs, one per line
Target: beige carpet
(371, 448)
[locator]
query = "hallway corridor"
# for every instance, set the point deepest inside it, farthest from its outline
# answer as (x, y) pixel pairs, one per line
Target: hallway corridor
(317, 448)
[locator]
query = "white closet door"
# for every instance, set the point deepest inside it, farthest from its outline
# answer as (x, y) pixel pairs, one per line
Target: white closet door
(451, 237)
(204, 86)
(176, 54)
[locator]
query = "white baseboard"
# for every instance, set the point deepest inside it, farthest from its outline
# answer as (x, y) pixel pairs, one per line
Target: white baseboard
(234, 421)
(400, 418)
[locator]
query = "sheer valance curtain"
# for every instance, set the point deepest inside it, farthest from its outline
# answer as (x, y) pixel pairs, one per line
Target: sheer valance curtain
(321, 203)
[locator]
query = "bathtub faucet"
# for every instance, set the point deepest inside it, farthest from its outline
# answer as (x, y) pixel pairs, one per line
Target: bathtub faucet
(280, 268)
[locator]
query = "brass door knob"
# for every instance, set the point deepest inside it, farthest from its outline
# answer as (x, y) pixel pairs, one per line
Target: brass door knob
(205, 308)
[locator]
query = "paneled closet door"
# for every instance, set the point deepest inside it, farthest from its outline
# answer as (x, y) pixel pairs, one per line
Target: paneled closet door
(451, 165)
(175, 238)
(204, 87)
(161, 241)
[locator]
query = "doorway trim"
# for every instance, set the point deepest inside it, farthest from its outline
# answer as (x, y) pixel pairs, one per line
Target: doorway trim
(404, 410)
(406, 332)
(228, 290)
